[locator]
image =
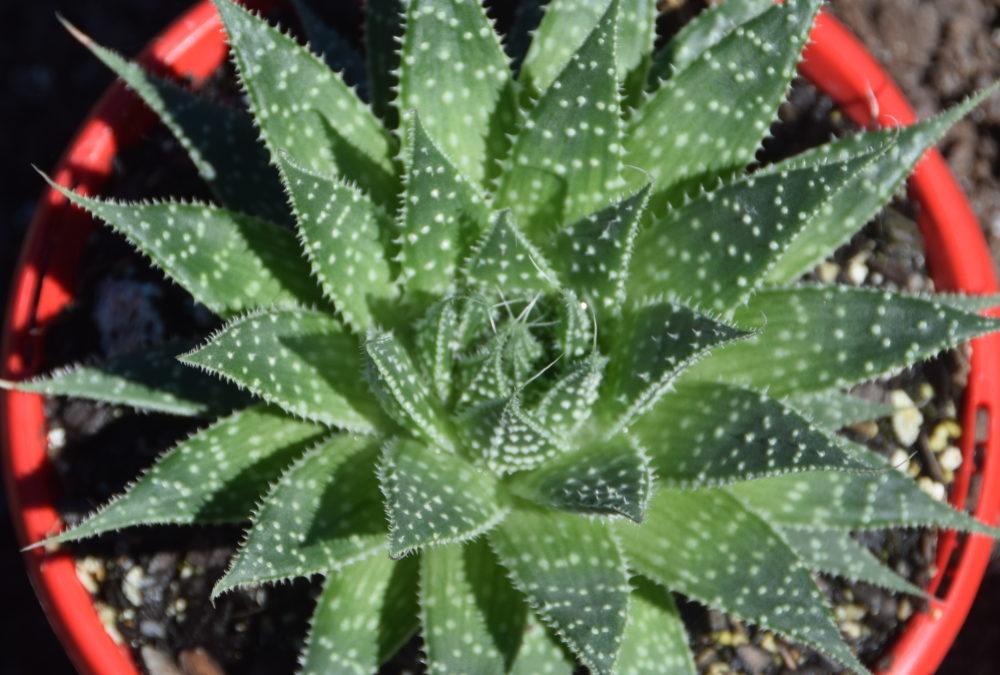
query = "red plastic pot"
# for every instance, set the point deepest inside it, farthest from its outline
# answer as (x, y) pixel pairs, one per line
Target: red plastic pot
(193, 47)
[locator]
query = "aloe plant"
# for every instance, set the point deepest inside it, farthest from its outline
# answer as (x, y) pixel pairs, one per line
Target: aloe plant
(510, 356)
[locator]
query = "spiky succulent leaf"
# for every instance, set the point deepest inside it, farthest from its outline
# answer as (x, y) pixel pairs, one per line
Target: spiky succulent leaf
(404, 393)
(875, 500)
(442, 215)
(715, 250)
(304, 109)
(540, 652)
(568, 402)
(506, 259)
(608, 478)
(436, 336)
(721, 434)
(433, 497)
(566, 25)
(304, 361)
(701, 33)
(656, 343)
(839, 554)
(708, 546)
(834, 409)
(364, 613)
(221, 142)
(228, 261)
(573, 575)
(342, 232)
(564, 164)
(473, 619)
(866, 191)
(235, 459)
(455, 75)
(152, 380)
(709, 118)
(875, 332)
(593, 255)
(322, 514)
(655, 640)
(517, 440)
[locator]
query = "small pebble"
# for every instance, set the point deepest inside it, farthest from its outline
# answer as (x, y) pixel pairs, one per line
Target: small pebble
(109, 618)
(754, 658)
(827, 272)
(905, 609)
(132, 585)
(768, 642)
(906, 420)
(932, 487)
(851, 629)
(900, 460)
(90, 570)
(850, 612)
(158, 662)
(857, 270)
(56, 438)
(950, 459)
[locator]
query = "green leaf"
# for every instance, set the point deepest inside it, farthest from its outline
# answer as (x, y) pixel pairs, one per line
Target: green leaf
(344, 635)
(455, 75)
(434, 497)
(968, 303)
(573, 575)
(227, 261)
(483, 376)
(576, 326)
(634, 46)
(592, 256)
(149, 380)
(540, 653)
(301, 360)
(565, 26)
(341, 232)
(472, 618)
(442, 216)
(216, 475)
(868, 189)
(715, 250)
(322, 514)
(517, 441)
(383, 34)
(656, 343)
(568, 402)
(837, 553)
(338, 54)
(403, 391)
(704, 31)
(304, 109)
(436, 336)
(879, 499)
(607, 478)
(834, 409)
(505, 259)
(709, 118)
(706, 545)
(704, 434)
(220, 141)
(655, 640)
(565, 163)
(813, 338)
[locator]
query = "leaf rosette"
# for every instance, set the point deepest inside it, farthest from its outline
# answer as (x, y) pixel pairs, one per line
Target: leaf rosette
(510, 355)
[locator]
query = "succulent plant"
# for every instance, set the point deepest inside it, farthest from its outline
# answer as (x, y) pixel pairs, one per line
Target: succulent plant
(514, 345)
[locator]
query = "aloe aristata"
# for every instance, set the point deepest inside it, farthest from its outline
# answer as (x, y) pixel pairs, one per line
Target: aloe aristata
(511, 355)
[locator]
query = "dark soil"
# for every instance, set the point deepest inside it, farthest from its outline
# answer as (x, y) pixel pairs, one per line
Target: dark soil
(45, 95)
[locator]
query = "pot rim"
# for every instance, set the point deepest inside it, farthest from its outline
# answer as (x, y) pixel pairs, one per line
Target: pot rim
(193, 47)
